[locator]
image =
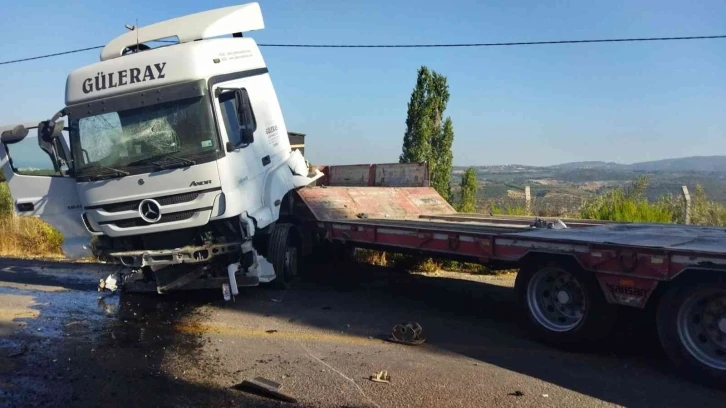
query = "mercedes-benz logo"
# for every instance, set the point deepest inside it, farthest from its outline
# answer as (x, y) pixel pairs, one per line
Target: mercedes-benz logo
(150, 211)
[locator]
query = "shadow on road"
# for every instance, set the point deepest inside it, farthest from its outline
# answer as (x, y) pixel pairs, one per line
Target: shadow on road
(478, 320)
(124, 361)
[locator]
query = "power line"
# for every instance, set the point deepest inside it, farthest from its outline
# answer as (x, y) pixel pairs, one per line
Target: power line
(496, 44)
(50, 55)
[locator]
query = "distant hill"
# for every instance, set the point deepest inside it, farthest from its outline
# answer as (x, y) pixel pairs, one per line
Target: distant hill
(700, 164)
(589, 165)
(715, 164)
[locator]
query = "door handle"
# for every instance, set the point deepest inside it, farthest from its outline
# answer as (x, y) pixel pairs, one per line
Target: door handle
(25, 207)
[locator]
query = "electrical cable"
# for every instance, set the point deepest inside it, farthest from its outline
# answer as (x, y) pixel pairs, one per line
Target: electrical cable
(496, 44)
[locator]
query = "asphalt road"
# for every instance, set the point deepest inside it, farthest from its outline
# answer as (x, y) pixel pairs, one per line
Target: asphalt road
(64, 344)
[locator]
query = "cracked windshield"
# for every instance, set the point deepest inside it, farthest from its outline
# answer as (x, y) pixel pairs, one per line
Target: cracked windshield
(138, 137)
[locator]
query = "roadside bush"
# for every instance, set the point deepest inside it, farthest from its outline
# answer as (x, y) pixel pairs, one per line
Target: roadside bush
(6, 200)
(496, 209)
(705, 211)
(630, 205)
(25, 236)
(28, 236)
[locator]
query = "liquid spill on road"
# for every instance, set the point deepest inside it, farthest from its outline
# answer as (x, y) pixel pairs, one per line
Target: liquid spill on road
(83, 348)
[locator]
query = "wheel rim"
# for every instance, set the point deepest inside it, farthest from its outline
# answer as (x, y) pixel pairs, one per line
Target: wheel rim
(291, 262)
(556, 299)
(701, 325)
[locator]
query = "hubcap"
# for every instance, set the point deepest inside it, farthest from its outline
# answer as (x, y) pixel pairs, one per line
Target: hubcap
(556, 299)
(291, 262)
(701, 326)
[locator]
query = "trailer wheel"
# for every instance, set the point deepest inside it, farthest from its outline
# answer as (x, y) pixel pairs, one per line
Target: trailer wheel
(692, 329)
(283, 253)
(561, 305)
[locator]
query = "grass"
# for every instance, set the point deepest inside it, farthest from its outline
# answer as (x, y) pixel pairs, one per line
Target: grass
(507, 209)
(28, 237)
(25, 236)
(418, 264)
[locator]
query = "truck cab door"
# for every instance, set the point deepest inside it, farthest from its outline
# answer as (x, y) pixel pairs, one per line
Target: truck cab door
(38, 174)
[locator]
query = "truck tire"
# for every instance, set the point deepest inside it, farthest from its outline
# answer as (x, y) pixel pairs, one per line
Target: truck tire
(562, 305)
(691, 321)
(283, 253)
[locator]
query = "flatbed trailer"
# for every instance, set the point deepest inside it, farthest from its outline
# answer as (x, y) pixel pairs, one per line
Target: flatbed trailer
(574, 276)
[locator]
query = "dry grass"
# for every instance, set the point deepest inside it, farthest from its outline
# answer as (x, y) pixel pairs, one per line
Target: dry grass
(28, 237)
(419, 264)
(25, 236)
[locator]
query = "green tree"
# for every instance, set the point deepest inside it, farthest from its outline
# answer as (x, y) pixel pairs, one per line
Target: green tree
(442, 159)
(417, 140)
(467, 195)
(428, 137)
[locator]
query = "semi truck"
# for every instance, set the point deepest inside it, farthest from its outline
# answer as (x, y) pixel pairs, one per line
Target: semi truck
(173, 159)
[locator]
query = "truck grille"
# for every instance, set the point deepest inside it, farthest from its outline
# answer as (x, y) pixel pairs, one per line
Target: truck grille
(139, 222)
(166, 200)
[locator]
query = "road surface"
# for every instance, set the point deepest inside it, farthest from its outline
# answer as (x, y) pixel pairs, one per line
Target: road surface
(64, 344)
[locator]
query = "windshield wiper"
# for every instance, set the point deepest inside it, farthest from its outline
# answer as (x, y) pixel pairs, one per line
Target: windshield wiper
(104, 172)
(171, 161)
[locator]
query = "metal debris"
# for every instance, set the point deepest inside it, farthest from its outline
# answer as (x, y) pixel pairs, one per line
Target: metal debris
(110, 283)
(517, 393)
(264, 387)
(381, 377)
(408, 333)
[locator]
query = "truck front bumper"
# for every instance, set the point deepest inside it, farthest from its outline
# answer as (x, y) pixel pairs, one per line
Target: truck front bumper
(166, 257)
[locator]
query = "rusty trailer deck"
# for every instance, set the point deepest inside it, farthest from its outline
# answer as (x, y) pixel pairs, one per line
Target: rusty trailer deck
(415, 218)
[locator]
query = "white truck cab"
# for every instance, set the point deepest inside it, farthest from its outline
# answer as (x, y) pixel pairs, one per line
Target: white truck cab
(175, 157)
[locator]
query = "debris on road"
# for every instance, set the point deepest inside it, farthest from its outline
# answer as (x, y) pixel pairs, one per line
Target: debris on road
(546, 395)
(381, 377)
(265, 388)
(517, 393)
(22, 350)
(276, 300)
(271, 331)
(110, 283)
(408, 333)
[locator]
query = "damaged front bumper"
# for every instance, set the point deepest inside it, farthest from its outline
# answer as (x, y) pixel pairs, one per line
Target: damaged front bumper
(165, 257)
(188, 268)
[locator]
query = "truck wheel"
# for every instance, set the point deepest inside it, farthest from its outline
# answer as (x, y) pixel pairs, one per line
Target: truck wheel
(563, 306)
(282, 253)
(692, 329)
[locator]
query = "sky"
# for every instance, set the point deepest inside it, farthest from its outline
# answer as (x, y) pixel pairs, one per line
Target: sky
(534, 105)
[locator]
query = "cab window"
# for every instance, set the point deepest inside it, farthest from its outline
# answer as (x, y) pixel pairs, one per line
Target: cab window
(27, 158)
(236, 119)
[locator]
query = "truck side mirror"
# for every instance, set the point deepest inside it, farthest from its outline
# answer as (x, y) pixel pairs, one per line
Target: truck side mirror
(246, 117)
(49, 134)
(14, 135)
(49, 130)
